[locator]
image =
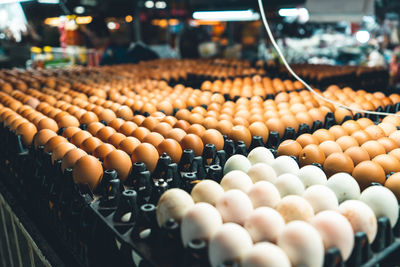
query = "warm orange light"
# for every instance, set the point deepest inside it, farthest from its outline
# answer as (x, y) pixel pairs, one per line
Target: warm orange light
(84, 20)
(173, 22)
(52, 21)
(129, 18)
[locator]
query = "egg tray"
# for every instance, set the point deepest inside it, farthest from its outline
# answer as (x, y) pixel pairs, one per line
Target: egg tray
(94, 228)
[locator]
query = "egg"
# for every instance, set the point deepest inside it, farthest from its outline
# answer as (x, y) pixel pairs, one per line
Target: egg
(176, 134)
(388, 163)
(88, 118)
(241, 133)
(338, 162)
(306, 139)
(368, 172)
(68, 121)
(387, 128)
(336, 231)
(90, 144)
(264, 224)
(344, 186)
(395, 136)
(365, 122)
(375, 132)
(27, 131)
(60, 150)
(103, 150)
(153, 138)
(194, 142)
(229, 243)
(276, 125)
(119, 161)
(285, 164)
(234, 206)
(127, 128)
(53, 142)
(93, 128)
(173, 204)
(357, 154)
(264, 194)
(200, 222)
(311, 175)
(338, 131)
(351, 126)
(323, 135)
(262, 172)
(71, 157)
(341, 113)
(207, 191)
(289, 148)
(237, 162)
(346, 142)
(79, 137)
(212, 136)
(259, 129)
(140, 133)
(383, 203)
(260, 155)
(289, 184)
(172, 148)
(388, 143)
(47, 123)
(236, 179)
(329, 147)
(147, 154)
(393, 183)
(321, 198)
(302, 244)
(295, 207)
(87, 170)
(311, 153)
(373, 148)
(265, 254)
(361, 217)
(116, 123)
(42, 137)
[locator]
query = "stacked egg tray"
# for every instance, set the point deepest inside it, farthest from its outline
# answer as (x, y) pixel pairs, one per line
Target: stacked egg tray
(94, 225)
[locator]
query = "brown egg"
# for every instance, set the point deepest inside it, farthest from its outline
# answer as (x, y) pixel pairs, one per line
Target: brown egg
(212, 136)
(361, 136)
(138, 119)
(337, 131)
(241, 133)
(70, 131)
(42, 137)
(116, 139)
(259, 129)
(311, 153)
(94, 127)
(196, 129)
(368, 172)
(393, 183)
(102, 150)
(153, 138)
(357, 154)
(341, 113)
(374, 148)
(183, 114)
(71, 157)
(53, 142)
(289, 148)
(225, 127)
(290, 121)
(128, 128)
(116, 123)
(125, 112)
(388, 163)
(395, 153)
(129, 144)
(106, 115)
(306, 139)
(176, 134)
(88, 170)
(166, 107)
(170, 120)
(47, 123)
(88, 117)
(60, 150)
(346, 141)
(375, 132)
(388, 128)
(184, 125)
(68, 121)
(395, 120)
(162, 128)
(172, 148)
(147, 154)
(90, 144)
(119, 161)
(365, 122)
(395, 136)
(210, 123)
(27, 131)
(60, 115)
(140, 133)
(388, 143)
(351, 126)
(194, 142)
(323, 135)
(150, 123)
(104, 133)
(338, 162)
(276, 125)
(329, 147)
(78, 138)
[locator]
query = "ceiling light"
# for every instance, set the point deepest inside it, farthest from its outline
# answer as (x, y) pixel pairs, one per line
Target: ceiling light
(149, 4)
(228, 15)
(79, 10)
(363, 36)
(161, 5)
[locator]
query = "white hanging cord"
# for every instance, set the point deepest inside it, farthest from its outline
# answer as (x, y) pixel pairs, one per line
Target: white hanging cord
(308, 87)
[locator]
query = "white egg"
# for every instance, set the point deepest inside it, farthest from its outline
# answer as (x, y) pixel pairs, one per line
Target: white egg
(262, 172)
(261, 155)
(295, 208)
(234, 206)
(311, 175)
(321, 198)
(361, 217)
(289, 184)
(264, 194)
(207, 191)
(236, 180)
(336, 231)
(237, 162)
(344, 186)
(200, 222)
(285, 164)
(382, 201)
(265, 254)
(264, 224)
(229, 243)
(302, 244)
(173, 204)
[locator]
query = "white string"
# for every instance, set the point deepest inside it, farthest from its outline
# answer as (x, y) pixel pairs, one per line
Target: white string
(308, 87)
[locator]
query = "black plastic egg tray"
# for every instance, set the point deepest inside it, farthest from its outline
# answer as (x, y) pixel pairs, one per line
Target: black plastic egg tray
(95, 230)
